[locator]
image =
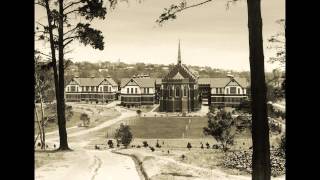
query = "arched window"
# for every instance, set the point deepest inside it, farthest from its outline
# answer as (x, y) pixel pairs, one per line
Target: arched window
(177, 92)
(185, 91)
(238, 90)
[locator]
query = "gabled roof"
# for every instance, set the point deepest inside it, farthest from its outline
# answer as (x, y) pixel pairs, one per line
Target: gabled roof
(222, 82)
(141, 82)
(93, 81)
(183, 70)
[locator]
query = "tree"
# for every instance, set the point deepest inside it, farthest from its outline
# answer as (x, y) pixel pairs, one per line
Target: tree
(277, 42)
(123, 135)
(189, 146)
(85, 118)
(59, 16)
(139, 112)
(261, 168)
(222, 128)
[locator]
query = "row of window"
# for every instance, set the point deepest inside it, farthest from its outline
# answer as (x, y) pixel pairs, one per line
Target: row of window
(89, 89)
(177, 92)
(233, 90)
(225, 99)
(137, 99)
(135, 91)
(98, 96)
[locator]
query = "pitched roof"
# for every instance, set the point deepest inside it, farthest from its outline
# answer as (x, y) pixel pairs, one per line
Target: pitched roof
(222, 82)
(93, 81)
(142, 82)
(183, 70)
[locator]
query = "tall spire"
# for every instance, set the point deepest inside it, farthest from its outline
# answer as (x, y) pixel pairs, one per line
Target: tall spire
(179, 54)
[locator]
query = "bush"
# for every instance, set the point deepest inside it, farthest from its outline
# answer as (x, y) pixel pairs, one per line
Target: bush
(139, 112)
(222, 127)
(152, 148)
(158, 145)
(202, 146)
(208, 145)
(183, 156)
(110, 143)
(189, 145)
(145, 144)
(215, 146)
(123, 135)
(138, 146)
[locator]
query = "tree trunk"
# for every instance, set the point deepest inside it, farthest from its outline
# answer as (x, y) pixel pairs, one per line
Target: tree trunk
(43, 144)
(260, 130)
(39, 126)
(62, 121)
(54, 61)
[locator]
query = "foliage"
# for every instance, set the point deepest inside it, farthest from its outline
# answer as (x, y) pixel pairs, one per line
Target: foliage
(189, 145)
(278, 43)
(158, 145)
(282, 145)
(145, 144)
(123, 135)
(139, 112)
(110, 143)
(152, 148)
(222, 128)
(85, 118)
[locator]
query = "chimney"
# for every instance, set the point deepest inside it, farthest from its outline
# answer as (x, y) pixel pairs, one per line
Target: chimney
(230, 75)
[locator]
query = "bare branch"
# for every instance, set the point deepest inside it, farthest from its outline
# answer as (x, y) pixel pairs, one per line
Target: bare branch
(71, 30)
(195, 5)
(68, 42)
(71, 37)
(75, 10)
(72, 4)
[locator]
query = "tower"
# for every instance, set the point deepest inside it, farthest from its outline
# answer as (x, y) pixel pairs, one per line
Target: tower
(179, 53)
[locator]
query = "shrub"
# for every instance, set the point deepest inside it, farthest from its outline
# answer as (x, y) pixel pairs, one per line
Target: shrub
(222, 128)
(138, 146)
(183, 156)
(208, 145)
(202, 146)
(215, 146)
(139, 112)
(145, 144)
(158, 145)
(110, 143)
(152, 148)
(189, 145)
(124, 135)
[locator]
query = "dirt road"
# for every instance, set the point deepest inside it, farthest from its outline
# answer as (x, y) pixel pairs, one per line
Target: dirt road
(89, 164)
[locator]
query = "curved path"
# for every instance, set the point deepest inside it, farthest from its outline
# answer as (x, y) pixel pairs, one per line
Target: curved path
(86, 164)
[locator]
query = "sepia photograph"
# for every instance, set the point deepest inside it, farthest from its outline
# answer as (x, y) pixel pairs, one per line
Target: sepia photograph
(159, 90)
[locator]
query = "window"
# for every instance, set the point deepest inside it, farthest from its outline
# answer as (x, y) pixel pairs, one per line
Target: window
(127, 90)
(147, 90)
(136, 90)
(67, 88)
(220, 90)
(87, 88)
(185, 91)
(238, 90)
(177, 92)
(227, 91)
(217, 90)
(233, 90)
(77, 89)
(110, 89)
(131, 90)
(105, 88)
(169, 91)
(100, 89)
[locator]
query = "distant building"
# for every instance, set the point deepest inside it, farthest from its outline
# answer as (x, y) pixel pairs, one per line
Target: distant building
(91, 89)
(179, 89)
(227, 91)
(103, 70)
(137, 90)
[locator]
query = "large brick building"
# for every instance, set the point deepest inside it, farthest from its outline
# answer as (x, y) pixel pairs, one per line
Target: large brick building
(137, 90)
(179, 89)
(91, 89)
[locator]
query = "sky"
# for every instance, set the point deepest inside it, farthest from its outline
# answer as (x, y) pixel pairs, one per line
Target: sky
(210, 34)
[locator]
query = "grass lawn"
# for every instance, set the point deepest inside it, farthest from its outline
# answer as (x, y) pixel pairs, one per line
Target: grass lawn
(52, 126)
(41, 157)
(168, 127)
